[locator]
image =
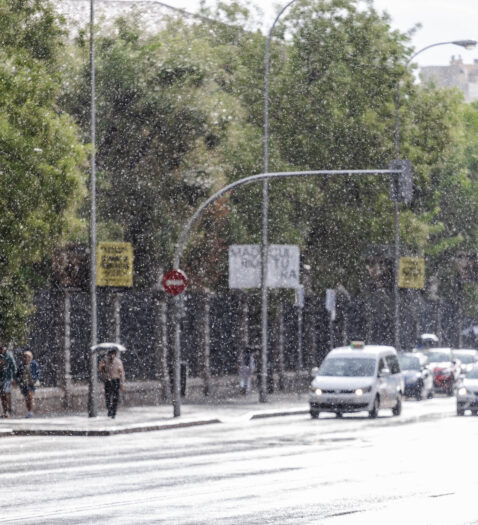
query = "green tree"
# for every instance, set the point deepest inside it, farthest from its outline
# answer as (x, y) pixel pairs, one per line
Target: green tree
(40, 156)
(160, 118)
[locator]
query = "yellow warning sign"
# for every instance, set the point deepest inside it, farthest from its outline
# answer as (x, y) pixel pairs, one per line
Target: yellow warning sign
(411, 272)
(114, 264)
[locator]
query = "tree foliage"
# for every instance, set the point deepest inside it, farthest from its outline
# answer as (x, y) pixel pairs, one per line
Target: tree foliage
(180, 114)
(40, 180)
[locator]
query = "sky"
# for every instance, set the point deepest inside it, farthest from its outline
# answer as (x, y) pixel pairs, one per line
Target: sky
(441, 20)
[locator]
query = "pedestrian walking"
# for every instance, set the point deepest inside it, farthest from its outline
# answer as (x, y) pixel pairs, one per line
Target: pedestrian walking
(28, 377)
(112, 372)
(246, 371)
(8, 370)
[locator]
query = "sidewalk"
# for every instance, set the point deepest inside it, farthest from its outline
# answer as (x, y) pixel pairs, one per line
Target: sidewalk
(160, 417)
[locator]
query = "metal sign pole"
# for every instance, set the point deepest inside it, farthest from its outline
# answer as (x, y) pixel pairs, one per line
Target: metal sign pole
(93, 372)
(178, 311)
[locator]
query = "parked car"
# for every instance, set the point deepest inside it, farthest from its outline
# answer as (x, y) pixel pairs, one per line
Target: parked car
(467, 393)
(445, 369)
(468, 358)
(356, 378)
(417, 377)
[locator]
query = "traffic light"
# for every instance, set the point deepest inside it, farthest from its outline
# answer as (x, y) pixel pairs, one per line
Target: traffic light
(401, 185)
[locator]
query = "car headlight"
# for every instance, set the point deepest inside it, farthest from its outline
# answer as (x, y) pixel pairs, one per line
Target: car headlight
(362, 391)
(462, 391)
(316, 391)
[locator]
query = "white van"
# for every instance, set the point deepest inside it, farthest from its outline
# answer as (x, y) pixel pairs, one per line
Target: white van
(356, 378)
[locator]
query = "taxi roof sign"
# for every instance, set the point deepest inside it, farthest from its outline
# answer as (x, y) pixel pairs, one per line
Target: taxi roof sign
(357, 345)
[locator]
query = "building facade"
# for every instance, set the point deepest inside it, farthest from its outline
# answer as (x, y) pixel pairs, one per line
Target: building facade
(456, 75)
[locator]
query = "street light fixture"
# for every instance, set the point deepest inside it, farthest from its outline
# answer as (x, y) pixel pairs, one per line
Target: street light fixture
(467, 44)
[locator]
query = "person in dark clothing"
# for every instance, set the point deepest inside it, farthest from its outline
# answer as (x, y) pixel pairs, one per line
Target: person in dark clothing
(112, 372)
(28, 376)
(8, 370)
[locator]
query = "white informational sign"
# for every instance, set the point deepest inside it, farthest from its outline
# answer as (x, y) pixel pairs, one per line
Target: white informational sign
(283, 264)
(244, 266)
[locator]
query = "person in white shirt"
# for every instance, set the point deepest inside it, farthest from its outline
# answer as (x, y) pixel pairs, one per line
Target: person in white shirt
(112, 372)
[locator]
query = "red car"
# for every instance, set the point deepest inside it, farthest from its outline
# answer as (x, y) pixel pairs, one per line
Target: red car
(445, 369)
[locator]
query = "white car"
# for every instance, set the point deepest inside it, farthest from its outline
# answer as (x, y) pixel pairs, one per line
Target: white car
(467, 393)
(357, 378)
(468, 358)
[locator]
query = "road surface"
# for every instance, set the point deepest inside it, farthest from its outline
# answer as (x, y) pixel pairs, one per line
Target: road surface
(416, 468)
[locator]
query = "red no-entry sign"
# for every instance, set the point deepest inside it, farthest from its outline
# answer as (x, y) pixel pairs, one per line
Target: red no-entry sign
(174, 282)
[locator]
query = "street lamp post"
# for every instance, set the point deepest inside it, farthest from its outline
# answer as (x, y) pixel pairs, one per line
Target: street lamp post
(93, 374)
(467, 44)
(265, 219)
(92, 355)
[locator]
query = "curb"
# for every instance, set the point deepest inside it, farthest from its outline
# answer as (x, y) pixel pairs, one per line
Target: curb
(265, 415)
(102, 432)
(106, 432)
(138, 428)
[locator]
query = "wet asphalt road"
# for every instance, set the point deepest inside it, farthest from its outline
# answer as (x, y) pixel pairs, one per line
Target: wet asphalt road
(417, 468)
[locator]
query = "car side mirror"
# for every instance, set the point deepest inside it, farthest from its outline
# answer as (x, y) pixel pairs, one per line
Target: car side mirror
(385, 372)
(315, 371)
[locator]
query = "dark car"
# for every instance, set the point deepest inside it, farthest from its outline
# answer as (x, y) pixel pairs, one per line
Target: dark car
(445, 369)
(416, 375)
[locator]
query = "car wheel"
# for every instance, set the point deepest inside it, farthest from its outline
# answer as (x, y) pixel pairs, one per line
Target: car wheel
(460, 411)
(474, 412)
(397, 409)
(339, 414)
(376, 406)
(314, 414)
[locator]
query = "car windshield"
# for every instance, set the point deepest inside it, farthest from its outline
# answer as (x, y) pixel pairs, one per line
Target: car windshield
(473, 373)
(466, 358)
(438, 357)
(409, 362)
(348, 367)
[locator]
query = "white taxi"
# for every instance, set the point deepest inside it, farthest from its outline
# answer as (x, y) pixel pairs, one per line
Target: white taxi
(357, 378)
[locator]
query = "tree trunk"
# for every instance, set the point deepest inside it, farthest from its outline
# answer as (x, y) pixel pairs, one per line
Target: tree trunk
(161, 344)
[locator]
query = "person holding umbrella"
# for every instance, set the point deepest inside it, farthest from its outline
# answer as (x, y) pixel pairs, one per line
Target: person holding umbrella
(112, 371)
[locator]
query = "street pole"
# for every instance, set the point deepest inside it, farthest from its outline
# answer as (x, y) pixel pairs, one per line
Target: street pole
(265, 220)
(467, 44)
(396, 268)
(299, 304)
(178, 312)
(92, 358)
